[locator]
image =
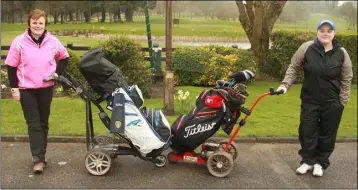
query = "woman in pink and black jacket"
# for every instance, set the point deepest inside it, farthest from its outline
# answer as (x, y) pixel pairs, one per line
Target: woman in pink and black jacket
(31, 59)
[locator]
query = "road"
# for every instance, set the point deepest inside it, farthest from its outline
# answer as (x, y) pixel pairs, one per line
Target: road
(258, 166)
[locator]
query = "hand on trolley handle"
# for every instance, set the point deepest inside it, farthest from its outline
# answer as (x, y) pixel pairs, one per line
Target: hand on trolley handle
(61, 79)
(248, 112)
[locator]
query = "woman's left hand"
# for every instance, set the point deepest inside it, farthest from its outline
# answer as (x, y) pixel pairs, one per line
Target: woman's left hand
(52, 76)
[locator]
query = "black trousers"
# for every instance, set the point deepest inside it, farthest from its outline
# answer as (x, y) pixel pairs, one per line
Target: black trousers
(318, 131)
(36, 105)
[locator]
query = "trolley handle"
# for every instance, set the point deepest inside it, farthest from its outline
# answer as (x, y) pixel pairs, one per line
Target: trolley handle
(60, 79)
(273, 92)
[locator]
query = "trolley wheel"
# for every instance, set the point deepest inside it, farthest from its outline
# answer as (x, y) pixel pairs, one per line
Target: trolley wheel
(220, 164)
(233, 149)
(160, 161)
(210, 141)
(98, 162)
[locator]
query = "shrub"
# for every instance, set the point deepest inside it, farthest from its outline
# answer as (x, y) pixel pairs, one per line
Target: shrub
(219, 67)
(245, 59)
(349, 42)
(128, 57)
(284, 45)
(204, 65)
(4, 81)
(189, 64)
(73, 66)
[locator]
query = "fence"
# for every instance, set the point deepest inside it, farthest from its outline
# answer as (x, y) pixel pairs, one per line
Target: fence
(155, 64)
(156, 49)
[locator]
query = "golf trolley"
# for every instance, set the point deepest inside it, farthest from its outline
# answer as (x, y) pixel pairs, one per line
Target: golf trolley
(219, 157)
(104, 147)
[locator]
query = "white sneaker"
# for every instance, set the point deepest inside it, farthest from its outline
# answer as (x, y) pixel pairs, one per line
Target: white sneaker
(317, 171)
(304, 168)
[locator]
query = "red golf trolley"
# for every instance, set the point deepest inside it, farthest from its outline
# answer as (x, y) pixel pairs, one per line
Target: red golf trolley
(219, 157)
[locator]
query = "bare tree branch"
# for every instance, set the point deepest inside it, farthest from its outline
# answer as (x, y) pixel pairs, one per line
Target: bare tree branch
(257, 26)
(244, 20)
(250, 11)
(273, 12)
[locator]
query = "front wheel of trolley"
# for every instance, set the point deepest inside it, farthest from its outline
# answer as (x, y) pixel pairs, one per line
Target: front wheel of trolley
(98, 162)
(161, 161)
(220, 164)
(233, 149)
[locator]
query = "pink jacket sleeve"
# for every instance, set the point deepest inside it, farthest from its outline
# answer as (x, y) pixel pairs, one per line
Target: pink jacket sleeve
(62, 51)
(13, 56)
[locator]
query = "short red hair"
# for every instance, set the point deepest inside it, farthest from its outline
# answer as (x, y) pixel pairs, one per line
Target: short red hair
(36, 14)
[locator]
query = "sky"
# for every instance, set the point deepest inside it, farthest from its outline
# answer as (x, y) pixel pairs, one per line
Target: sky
(341, 2)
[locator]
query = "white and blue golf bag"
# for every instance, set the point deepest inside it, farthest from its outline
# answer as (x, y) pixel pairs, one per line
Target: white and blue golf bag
(148, 130)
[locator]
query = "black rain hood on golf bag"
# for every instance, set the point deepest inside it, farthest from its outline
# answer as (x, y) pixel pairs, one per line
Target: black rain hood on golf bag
(102, 75)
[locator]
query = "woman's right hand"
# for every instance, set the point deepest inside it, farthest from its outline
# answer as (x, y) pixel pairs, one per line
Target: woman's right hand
(15, 94)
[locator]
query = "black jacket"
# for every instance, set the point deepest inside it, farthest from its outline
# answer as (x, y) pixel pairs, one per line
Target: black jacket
(322, 71)
(327, 75)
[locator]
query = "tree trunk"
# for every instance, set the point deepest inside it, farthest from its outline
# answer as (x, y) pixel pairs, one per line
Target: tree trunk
(103, 10)
(128, 14)
(13, 17)
(55, 17)
(258, 18)
(62, 17)
(117, 15)
(87, 16)
(21, 17)
(71, 16)
(103, 18)
(77, 16)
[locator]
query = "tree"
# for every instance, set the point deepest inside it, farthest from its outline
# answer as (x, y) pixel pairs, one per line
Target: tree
(10, 9)
(349, 14)
(258, 18)
(114, 10)
(294, 12)
(131, 6)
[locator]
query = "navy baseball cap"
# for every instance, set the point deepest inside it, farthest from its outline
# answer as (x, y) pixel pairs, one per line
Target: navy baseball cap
(326, 22)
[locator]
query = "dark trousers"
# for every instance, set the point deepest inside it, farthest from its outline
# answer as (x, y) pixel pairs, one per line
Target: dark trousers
(35, 105)
(318, 131)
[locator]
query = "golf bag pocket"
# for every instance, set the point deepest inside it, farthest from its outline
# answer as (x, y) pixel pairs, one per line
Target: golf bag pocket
(136, 95)
(158, 122)
(118, 111)
(231, 117)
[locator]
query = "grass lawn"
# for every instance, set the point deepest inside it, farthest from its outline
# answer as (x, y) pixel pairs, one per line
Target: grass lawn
(197, 26)
(273, 116)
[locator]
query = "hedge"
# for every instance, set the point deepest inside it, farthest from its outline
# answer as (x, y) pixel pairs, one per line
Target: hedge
(202, 66)
(126, 54)
(285, 44)
(73, 66)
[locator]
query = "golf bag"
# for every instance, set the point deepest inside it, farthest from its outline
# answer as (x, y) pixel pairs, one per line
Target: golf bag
(213, 110)
(125, 102)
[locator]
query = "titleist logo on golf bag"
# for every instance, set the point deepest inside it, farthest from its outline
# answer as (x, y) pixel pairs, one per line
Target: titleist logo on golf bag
(195, 129)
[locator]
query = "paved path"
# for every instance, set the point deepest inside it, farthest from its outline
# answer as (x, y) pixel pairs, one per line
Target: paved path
(258, 166)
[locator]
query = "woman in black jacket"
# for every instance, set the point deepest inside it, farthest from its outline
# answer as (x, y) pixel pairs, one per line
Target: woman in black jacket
(325, 91)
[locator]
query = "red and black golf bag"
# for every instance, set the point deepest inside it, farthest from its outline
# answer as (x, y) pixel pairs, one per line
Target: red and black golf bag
(215, 108)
